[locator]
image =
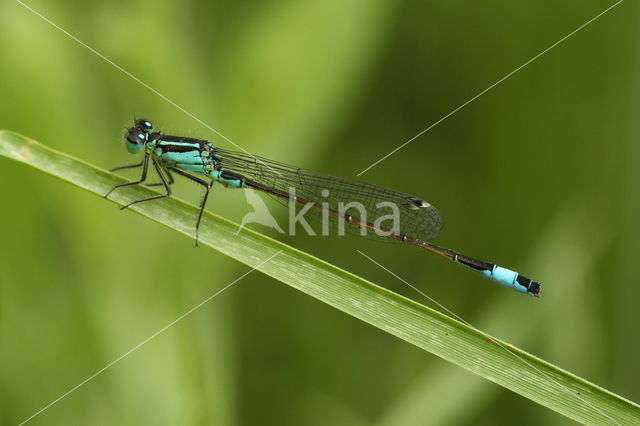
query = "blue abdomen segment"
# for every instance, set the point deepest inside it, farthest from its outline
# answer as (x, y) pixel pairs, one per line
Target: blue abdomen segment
(501, 275)
(506, 277)
(227, 179)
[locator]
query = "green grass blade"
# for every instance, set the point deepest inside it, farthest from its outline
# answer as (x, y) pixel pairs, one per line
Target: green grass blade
(430, 330)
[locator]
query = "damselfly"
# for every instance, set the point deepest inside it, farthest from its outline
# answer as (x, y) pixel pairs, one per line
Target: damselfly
(348, 203)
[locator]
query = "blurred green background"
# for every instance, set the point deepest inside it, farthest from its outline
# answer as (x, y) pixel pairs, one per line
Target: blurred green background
(539, 174)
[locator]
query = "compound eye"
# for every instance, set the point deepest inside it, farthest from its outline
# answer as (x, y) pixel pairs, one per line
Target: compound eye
(144, 125)
(136, 137)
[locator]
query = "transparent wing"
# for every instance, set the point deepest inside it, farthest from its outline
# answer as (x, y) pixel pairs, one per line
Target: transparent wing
(362, 201)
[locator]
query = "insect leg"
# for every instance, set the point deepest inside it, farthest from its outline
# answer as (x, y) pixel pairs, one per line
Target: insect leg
(143, 177)
(155, 197)
(207, 185)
